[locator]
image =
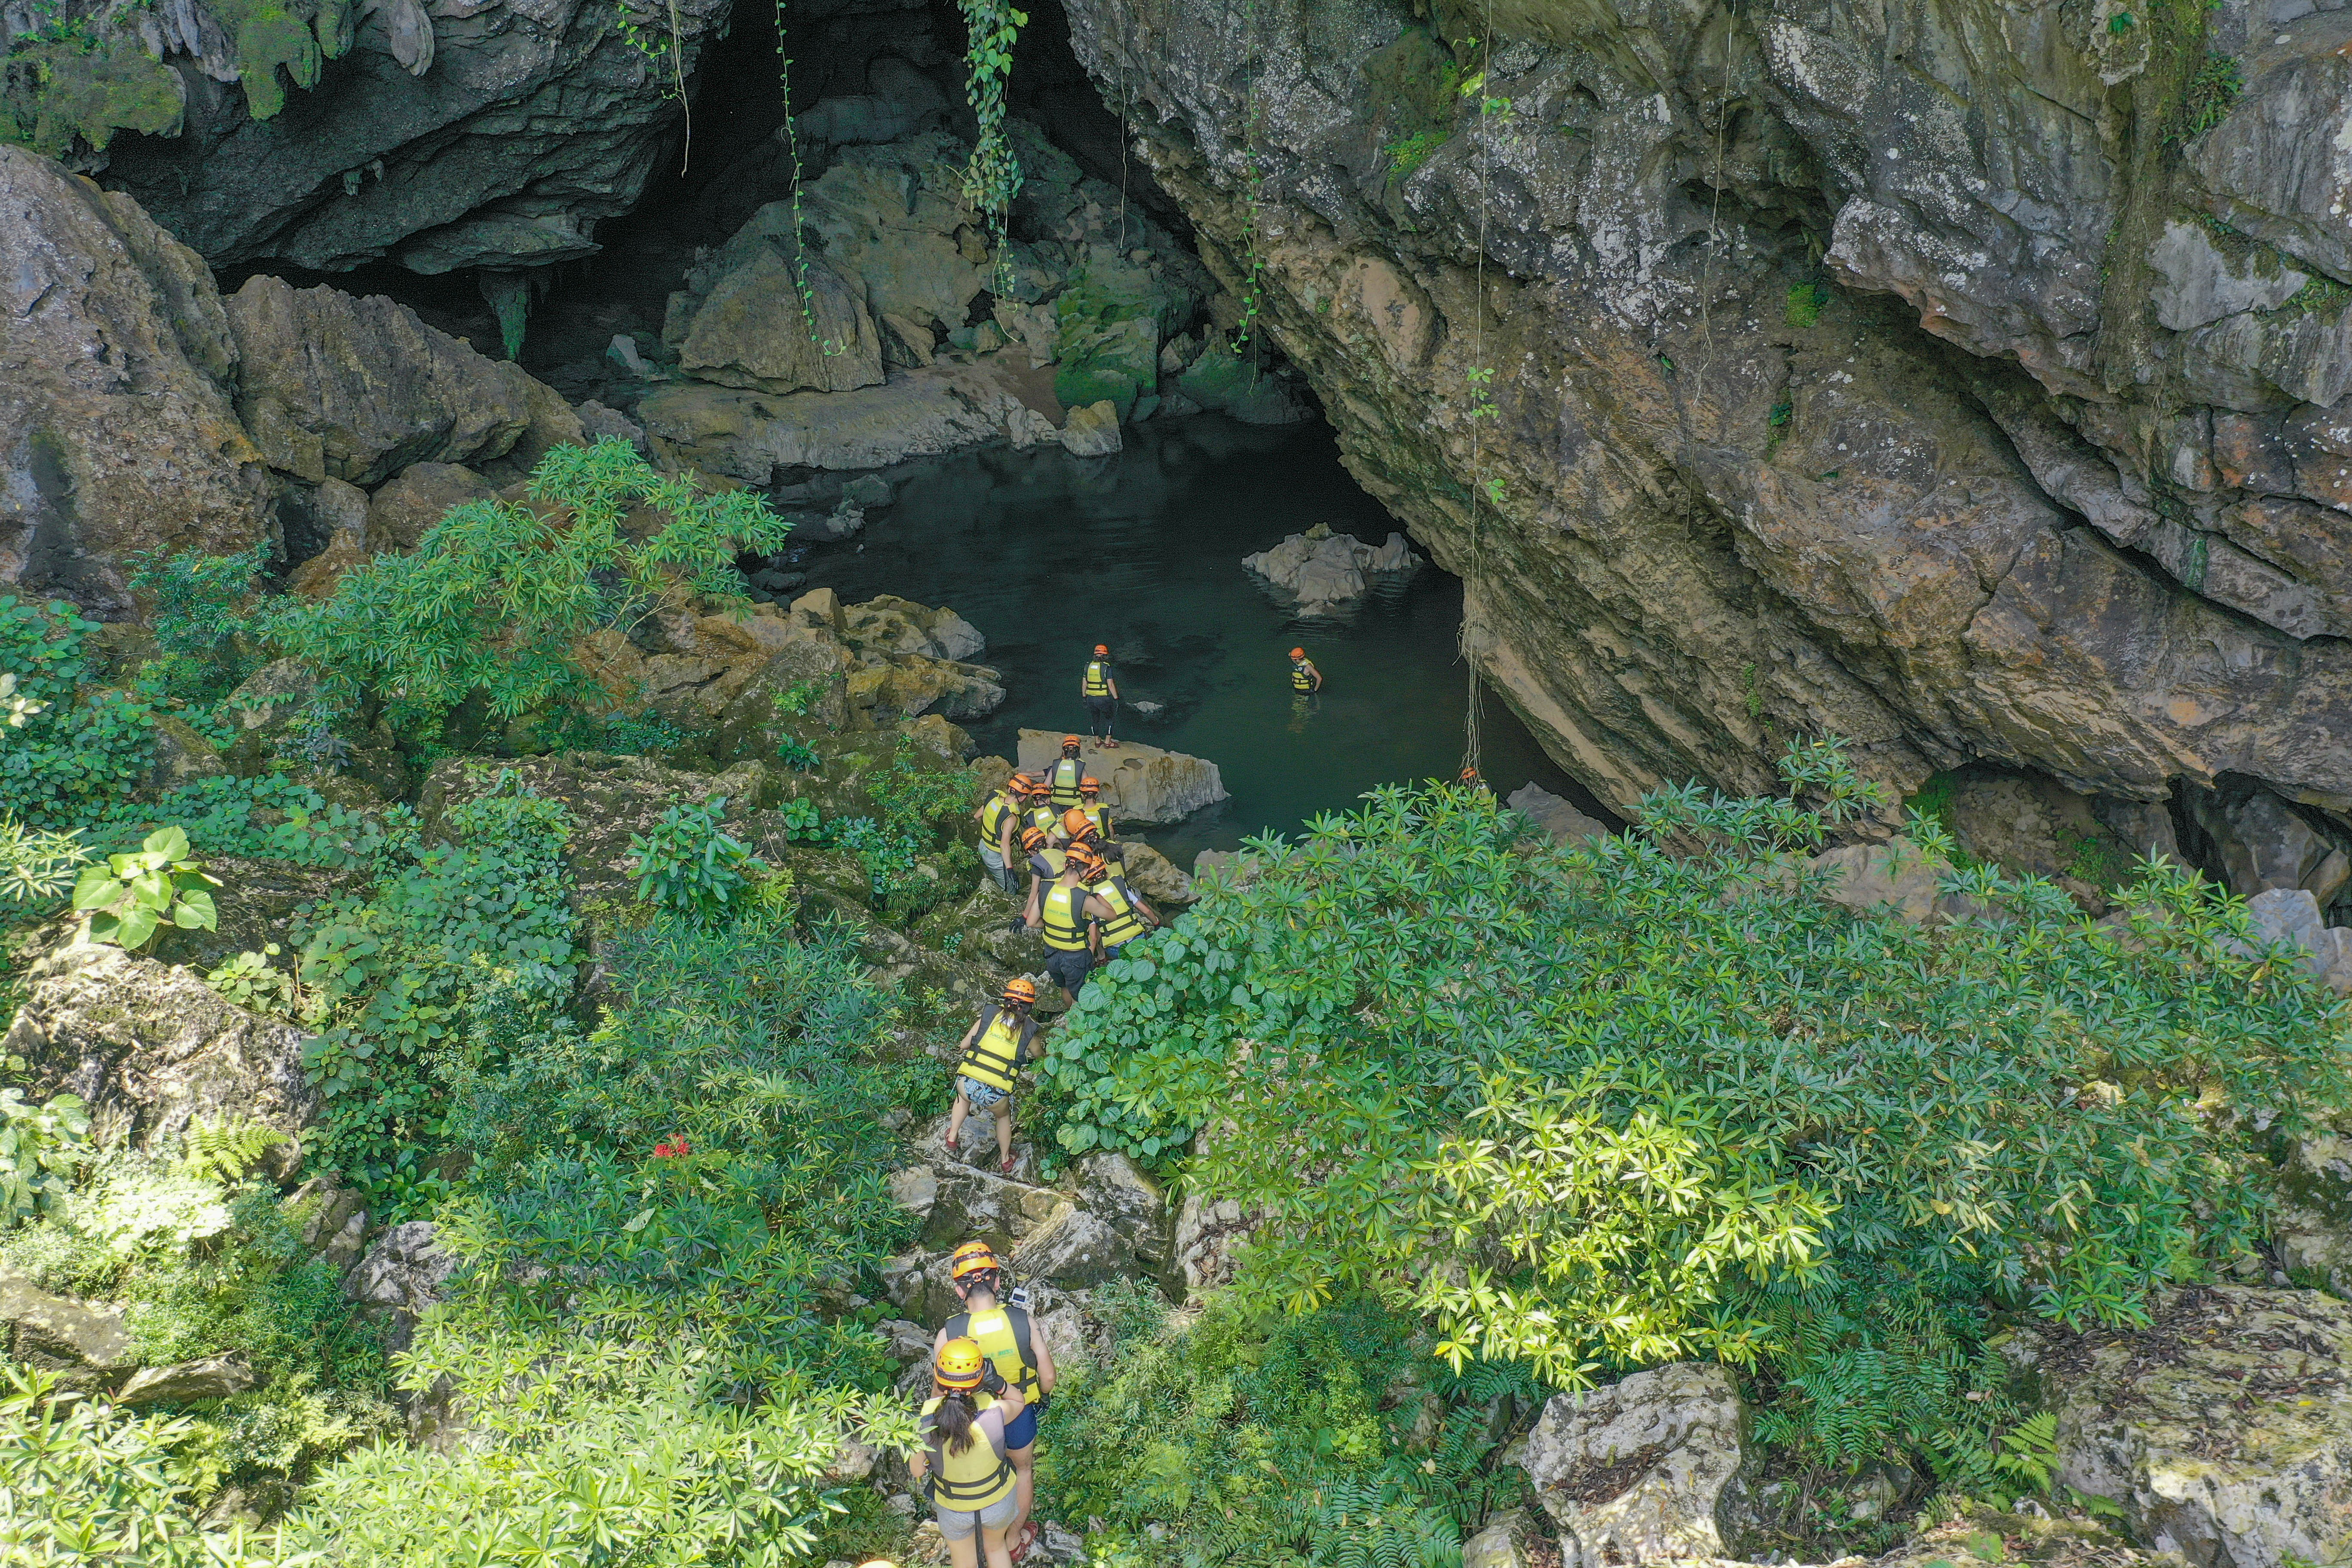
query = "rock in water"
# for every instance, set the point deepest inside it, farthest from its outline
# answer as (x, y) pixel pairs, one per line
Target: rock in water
(156, 1044)
(1641, 1470)
(116, 434)
(2220, 1429)
(1092, 431)
(1141, 784)
(1562, 822)
(1325, 570)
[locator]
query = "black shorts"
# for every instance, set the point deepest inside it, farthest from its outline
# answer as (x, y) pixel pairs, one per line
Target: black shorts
(1101, 706)
(1069, 970)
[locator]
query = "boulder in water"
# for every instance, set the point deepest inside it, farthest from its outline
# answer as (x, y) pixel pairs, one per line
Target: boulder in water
(1325, 570)
(1562, 822)
(1092, 431)
(1141, 784)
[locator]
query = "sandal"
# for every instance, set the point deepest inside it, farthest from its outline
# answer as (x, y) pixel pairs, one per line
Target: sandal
(1019, 1547)
(1010, 1161)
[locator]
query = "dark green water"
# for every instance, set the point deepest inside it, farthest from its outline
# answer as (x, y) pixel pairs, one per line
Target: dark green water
(1049, 554)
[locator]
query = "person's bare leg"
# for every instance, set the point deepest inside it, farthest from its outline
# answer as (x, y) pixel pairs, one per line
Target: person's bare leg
(955, 1120)
(965, 1553)
(1005, 1131)
(999, 1550)
(1024, 1465)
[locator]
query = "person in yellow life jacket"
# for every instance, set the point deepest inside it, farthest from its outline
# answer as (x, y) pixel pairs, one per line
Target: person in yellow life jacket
(1069, 769)
(1005, 1336)
(960, 1462)
(1069, 917)
(1000, 829)
(1044, 857)
(1077, 828)
(1305, 678)
(1099, 687)
(1038, 808)
(1129, 916)
(987, 1065)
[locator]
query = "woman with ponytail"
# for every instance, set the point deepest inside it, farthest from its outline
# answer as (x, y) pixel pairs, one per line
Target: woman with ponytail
(961, 1466)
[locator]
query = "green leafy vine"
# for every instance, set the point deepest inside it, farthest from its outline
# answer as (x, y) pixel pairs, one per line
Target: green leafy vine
(992, 178)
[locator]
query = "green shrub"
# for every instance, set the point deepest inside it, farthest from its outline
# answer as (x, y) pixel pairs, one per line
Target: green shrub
(267, 818)
(35, 866)
(688, 865)
(1805, 303)
(1407, 154)
(200, 613)
(489, 605)
(40, 1148)
(2022, 1112)
(1331, 1438)
(392, 978)
(133, 895)
(87, 747)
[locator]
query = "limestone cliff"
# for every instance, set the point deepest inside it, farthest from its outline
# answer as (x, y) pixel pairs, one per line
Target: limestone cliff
(1967, 380)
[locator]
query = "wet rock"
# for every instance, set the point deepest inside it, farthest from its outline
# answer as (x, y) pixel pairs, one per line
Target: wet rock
(413, 500)
(116, 432)
(1225, 382)
(1153, 875)
(1027, 428)
(1324, 569)
(752, 436)
(402, 1276)
(155, 1044)
(1643, 1469)
(214, 1377)
(357, 389)
(340, 511)
(2204, 1427)
(1560, 822)
(1092, 431)
(1141, 784)
(59, 1332)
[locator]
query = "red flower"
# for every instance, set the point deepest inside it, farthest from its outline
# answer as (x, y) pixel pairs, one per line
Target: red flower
(672, 1148)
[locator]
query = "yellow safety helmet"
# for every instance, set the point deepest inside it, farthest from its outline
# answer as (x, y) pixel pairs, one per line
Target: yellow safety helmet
(970, 1259)
(959, 1365)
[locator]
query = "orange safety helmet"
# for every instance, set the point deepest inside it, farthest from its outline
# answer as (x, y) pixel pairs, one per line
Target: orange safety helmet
(1083, 856)
(1090, 785)
(959, 1365)
(1071, 742)
(1092, 868)
(1298, 653)
(1077, 823)
(970, 1259)
(1021, 990)
(1033, 838)
(1022, 783)
(1102, 650)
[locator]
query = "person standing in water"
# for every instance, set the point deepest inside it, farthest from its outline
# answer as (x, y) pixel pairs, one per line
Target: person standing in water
(1305, 678)
(1099, 687)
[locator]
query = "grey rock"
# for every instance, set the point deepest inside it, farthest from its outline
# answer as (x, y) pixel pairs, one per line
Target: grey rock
(215, 1377)
(623, 351)
(400, 1276)
(868, 490)
(499, 138)
(2291, 915)
(117, 432)
(408, 505)
(1323, 570)
(751, 436)
(1141, 784)
(1642, 1468)
(1092, 431)
(2265, 844)
(2201, 285)
(1110, 1187)
(1075, 1247)
(59, 1332)
(1028, 428)
(1497, 1545)
(156, 1046)
(1560, 821)
(598, 422)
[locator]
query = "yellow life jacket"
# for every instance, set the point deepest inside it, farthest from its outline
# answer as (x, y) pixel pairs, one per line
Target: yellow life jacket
(1044, 816)
(1064, 915)
(1125, 924)
(1097, 682)
(1099, 814)
(992, 817)
(995, 1057)
(1064, 782)
(1048, 862)
(980, 1476)
(1302, 678)
(1004, 1337)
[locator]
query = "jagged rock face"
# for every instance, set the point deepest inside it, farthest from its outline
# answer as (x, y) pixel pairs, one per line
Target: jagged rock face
(1739, 494)
(115, 433)
(458, 134)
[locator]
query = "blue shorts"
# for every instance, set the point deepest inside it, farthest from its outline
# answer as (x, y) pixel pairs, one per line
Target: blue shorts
(983, 1096)
(1021, 1431)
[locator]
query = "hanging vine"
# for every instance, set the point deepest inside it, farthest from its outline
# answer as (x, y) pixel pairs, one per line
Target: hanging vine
(1252, 184)
(646, 43)
(802, 289)
(992, 178)
(1484, 486)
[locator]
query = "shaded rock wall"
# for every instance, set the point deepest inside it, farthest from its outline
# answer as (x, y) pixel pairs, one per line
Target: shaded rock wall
(1928, 374)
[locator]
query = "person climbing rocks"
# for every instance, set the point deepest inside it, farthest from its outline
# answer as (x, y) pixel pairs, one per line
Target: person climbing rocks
(1131, 917)
(1305, 678)
(987, 1065)
(1007, 1337)
(1090, 801)
(1070, 919)
(1000, 822)
(1045, 858)
(962, 1463)
(1069, 772)
(1077, 827)
(1037, 810)
(1099, 687)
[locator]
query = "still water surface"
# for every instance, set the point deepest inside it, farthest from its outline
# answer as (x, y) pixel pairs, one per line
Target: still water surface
(1049, 554)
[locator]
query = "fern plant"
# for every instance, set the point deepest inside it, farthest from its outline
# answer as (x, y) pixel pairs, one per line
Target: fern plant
(227, 1148)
